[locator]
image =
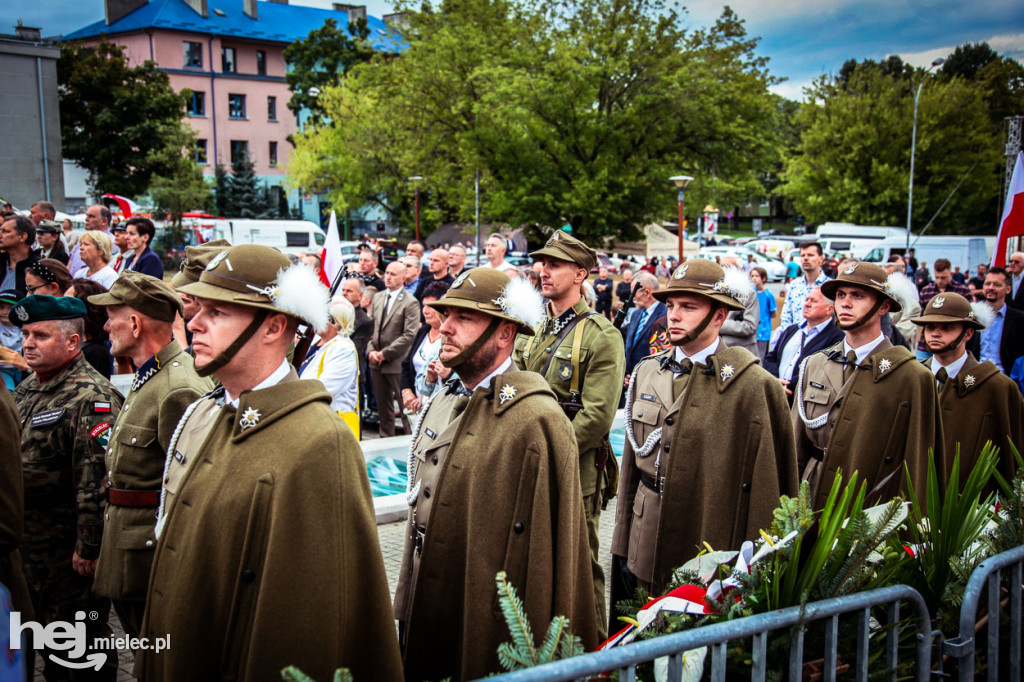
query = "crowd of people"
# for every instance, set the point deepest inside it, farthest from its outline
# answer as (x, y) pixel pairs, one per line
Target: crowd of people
(222, 502)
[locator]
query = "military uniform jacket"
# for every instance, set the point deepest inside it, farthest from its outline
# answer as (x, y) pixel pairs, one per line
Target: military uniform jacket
(394, 332)
(722, 458)
(65, 423)
(886, 415)
(602, 364)
(135, 461)
(270, 556)
(981, 404)
(499, 488)
(12, 506)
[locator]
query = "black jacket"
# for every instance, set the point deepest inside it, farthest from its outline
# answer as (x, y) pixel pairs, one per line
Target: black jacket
(1011, 344)
(408, 379)
(829, 336)
(362, 331)
(19, 269)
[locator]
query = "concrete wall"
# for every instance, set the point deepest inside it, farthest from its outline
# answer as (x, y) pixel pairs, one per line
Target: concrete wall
(29, 173)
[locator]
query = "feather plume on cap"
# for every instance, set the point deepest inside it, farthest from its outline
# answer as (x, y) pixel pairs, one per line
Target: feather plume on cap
(520, 300)
(902, 288)
(983, 315)
(300, 292)
(737, 284)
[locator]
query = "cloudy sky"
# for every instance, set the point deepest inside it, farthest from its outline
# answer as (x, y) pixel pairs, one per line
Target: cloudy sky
(803, 38)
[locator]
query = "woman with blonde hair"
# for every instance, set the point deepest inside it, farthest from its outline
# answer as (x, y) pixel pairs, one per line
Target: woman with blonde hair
(95, 251)
(335, 363)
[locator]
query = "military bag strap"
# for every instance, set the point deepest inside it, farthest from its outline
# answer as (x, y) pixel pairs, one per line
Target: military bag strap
(561, 337)
(577, 343)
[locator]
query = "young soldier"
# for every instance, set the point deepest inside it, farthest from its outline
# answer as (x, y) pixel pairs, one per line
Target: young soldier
(978, 402)
(66, 409)
(863, 404)
(494, 486)
(581, 356)
(709, 445)
(141, 311)
(268, 555)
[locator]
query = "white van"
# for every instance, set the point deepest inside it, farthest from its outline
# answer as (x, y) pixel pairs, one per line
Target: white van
(858, 240)
(967, 252)
(287, 236)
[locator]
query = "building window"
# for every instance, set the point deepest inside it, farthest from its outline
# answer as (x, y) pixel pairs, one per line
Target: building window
(273, 153)
(200, 151)
(197, 105)
(193, 55)
(227, 60)
(261, 62)
(236, 106)
(271, 108)
(239, 151)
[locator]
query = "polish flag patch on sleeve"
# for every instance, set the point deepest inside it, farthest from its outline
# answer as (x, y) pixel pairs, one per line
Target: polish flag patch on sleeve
(98, 407)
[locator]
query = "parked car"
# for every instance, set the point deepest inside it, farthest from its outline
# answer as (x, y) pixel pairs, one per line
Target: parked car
(603, 261)
(776, 269)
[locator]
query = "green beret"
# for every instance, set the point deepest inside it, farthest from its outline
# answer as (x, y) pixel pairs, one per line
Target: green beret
(564, 246)
(42, 308)
(146, 294)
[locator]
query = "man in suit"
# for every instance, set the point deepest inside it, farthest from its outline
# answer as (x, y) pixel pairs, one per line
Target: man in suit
(798, 341)
(1015, 267)
(648, 320)
(396, 317)
(1003, 341)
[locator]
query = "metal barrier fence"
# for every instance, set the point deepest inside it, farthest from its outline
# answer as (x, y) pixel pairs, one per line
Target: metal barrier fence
(716, 636)
(986, 579)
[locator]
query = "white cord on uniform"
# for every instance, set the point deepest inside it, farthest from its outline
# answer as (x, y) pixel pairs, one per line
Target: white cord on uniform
(655, 436)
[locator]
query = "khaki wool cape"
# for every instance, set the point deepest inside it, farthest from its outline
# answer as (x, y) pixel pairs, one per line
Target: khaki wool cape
(731, 456)
(12, 506)
(508, 499)
(270, 555)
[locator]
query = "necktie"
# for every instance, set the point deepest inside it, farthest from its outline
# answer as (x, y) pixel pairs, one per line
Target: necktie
(639, 326)
(387, 306)
(851, 365)
(682, 375)
(941, 376)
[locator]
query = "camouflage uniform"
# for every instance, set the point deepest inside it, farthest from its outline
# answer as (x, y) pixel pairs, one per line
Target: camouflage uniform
(65, 423)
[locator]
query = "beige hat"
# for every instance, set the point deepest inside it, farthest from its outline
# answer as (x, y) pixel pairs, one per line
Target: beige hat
(493, 292)
(866, 276)
(146, 294)
(196, 259)
(731, 288)
(950, 308)
(564, 246)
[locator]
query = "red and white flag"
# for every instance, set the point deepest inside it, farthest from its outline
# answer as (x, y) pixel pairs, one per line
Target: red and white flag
(127, 206)
(331, 256)
(1012, 224)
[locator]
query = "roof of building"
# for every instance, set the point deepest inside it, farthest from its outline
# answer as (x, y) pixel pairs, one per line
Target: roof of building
(277, 22)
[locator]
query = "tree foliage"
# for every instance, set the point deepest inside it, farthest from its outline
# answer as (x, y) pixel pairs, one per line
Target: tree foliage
(320, 59)
(853, 160)
(183, 187)
(113, 116)
(574, 111)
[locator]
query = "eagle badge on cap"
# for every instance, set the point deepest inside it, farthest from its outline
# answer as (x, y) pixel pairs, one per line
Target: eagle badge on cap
(250, 418)
(850, 269)
(554, 237)
(217, 260)
(727, 372)
(969, 381)
(508, 392)
(21, 313)
(681, 271)
(939, 302)
(460, 280)
(884, 364)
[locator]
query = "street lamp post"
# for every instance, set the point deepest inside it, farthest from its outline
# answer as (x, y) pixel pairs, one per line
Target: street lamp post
(681, 182)
(913, 150)
(416, 180)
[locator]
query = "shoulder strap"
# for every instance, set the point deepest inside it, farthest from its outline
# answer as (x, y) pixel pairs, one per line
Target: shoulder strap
(561, 337)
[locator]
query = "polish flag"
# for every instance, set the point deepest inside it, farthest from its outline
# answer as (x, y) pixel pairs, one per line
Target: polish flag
(1012, 224)
(331, 256)
(127, 206)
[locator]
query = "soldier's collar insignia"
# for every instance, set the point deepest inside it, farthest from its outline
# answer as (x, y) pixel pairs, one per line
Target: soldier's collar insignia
(850, 270)
(21, 313)
(145, 373)
(969, 381)
(939, 302)
(217, 261)
(508, 392)
(680, 272)
(250, 418)
(727, 372)
(884, 364)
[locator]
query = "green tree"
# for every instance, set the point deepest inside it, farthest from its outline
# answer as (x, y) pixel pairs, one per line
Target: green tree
(853, 160)
(574, 111)
(246, 198)
(320, 59)
(183, 188)
(114, 115)
(1001, 78)
(222, 187)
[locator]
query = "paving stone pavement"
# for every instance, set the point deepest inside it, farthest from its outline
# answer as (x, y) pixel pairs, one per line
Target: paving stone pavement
(392, 544)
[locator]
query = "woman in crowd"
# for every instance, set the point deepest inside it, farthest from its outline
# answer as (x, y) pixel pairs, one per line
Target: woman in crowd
(335, 363)
(422, 372)
(140, 235)
(47, 277)
(96, 347)
(50, 243)
(95, 251)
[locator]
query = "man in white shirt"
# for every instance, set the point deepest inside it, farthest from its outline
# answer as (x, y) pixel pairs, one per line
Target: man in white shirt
(495, 251)
(811, 258)
(799, 341)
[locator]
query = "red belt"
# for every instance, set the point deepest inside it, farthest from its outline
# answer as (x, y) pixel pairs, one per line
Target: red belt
(133, 498)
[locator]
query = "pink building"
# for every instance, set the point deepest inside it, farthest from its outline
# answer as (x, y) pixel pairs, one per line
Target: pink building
(230, 54)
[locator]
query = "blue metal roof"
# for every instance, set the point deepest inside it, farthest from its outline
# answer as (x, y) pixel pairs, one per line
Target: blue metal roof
(277, 22)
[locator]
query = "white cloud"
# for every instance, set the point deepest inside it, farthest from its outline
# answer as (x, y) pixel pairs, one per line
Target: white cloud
(793, 90)
(1010, 44)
